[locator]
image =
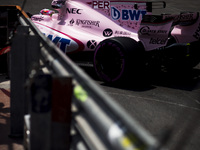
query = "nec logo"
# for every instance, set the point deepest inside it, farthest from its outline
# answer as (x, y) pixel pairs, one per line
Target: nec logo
(73, 11)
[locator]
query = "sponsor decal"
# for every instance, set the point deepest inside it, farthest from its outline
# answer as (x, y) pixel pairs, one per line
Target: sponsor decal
(158, 41)
(91, 44)
(181, 17)
(147, 31)
(87, 23)
(62, 43)
(71, 22)
(154, 36)
(73, 11)
(122, 33)
(101, 4)
(196, 35)
(34, 18)
(84, 23)
(107, 32)
(127, 14)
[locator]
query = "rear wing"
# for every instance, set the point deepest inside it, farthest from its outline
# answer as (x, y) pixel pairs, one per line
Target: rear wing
(155, 5)
(155, 30)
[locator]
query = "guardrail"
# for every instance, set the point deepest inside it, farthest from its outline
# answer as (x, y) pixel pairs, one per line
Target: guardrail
(62, 108)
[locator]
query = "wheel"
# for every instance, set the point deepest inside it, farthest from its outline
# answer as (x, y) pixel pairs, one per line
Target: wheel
(117, 59)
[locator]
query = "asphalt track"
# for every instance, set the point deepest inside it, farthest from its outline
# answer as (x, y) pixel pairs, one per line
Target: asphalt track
(170, 103)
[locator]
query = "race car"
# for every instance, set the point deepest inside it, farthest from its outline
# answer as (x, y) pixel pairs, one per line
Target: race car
(122, 38)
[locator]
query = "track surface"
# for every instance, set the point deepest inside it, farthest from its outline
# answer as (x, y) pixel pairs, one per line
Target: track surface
(170, 102)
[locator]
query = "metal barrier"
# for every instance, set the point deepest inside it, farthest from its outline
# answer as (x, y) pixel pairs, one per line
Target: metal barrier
(63, 108)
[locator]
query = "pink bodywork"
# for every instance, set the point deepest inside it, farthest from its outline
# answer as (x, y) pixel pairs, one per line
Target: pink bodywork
(80, 25)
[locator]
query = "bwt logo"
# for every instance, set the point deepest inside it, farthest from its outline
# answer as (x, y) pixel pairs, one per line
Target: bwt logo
(127, 14)
(62, 43)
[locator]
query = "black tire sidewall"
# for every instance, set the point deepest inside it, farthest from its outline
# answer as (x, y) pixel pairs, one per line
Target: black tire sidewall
(131, 53)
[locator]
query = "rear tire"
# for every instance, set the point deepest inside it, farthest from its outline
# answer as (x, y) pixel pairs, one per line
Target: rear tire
(118, 59)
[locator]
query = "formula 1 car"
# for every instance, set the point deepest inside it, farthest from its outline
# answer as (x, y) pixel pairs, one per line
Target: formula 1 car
(122, 38)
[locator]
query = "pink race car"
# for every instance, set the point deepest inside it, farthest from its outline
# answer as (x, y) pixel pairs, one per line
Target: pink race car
(122, 38)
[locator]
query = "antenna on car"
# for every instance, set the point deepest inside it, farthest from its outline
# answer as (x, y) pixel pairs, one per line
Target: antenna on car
(23, 5)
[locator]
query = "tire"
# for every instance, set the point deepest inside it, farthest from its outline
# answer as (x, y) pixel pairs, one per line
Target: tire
(117, 59)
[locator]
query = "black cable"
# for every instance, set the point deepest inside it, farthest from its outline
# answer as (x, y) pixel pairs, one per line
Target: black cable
(23, 5)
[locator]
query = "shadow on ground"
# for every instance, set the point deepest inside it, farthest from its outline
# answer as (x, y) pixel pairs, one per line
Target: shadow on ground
(184, 80)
